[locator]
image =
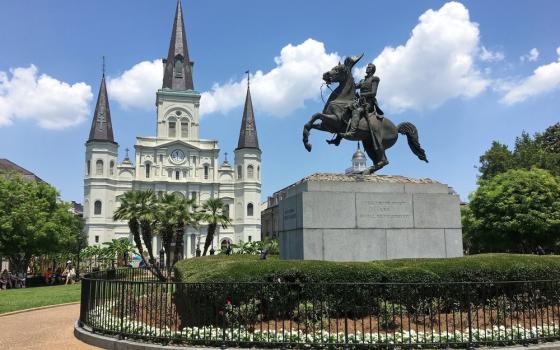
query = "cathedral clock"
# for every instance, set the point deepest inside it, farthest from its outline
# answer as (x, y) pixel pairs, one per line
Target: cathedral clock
(177, 156)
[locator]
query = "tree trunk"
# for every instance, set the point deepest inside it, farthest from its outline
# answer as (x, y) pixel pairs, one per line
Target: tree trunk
(179, 233)
(209, 237)
(147, 238)
(167, 237)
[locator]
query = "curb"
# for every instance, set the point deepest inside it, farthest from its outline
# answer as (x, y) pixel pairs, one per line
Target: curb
(111, 343)
(37, 308)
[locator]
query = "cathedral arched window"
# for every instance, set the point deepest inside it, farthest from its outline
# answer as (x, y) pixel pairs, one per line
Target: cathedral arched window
(224, 245)
(259, 172)
(88, 166)
(185, 128)
(97, 208)
(172, 132)
(177, 175)
(206, 171)
(239, 172)
(99, 167)
(111, 168)
(250, 172)
(250, 209)
(147, 170)
(225, 210)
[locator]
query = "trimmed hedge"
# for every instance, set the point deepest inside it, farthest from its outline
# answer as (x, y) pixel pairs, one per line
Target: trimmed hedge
(214, 283)
(474, 268)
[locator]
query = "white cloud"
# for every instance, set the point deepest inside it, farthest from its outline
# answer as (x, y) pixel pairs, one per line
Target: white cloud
(544, 79)
(490, 56)
(136, 87)
(434, 65)
(51, 103)
(532, 56)
(295, 79)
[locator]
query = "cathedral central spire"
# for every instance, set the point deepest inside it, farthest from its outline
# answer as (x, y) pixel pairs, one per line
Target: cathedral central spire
(178, 67)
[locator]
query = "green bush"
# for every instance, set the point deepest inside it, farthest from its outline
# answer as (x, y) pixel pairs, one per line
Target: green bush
(289, 289)
(474, 268)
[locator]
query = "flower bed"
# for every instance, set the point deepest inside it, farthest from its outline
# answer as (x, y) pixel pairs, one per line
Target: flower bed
(217, 335)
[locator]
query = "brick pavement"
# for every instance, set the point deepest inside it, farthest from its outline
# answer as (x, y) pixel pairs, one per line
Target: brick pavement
(47, 329)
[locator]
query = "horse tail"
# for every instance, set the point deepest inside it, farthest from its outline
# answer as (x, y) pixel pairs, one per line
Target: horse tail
(411, 133)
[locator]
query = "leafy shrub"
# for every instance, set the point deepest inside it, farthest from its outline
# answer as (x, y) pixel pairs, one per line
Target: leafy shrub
(312, 314)
(388, 312)
(474, 268)
(354, 289)
(246, 313)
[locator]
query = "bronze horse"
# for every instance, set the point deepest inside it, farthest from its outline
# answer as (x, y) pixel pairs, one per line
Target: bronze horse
(337, 113)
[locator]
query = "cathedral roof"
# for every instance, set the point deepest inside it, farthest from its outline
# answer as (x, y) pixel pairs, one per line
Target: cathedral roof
(101, 126)
(178, 67)
(248, 133)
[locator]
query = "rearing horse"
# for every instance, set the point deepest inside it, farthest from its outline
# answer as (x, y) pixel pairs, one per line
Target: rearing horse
(337, 113)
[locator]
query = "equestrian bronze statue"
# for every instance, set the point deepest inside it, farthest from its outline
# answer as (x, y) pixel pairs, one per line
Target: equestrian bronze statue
(356, 116)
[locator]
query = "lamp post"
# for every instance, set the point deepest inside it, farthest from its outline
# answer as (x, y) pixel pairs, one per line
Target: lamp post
(162, 258)
(78, 240)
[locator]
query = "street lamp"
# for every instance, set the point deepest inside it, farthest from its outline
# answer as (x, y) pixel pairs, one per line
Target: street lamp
(162, 258)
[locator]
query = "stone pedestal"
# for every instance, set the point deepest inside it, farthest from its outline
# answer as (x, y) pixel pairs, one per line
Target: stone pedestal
(364, 218)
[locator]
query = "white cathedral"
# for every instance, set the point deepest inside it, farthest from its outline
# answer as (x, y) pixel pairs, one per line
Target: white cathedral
(176, 160)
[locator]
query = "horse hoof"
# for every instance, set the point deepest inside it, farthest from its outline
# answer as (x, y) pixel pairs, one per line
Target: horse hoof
(308, 147)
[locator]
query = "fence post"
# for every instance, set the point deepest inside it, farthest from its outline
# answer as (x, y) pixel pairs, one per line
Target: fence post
(223, 346)
(469, 319)
(121, 310)
(346, 347)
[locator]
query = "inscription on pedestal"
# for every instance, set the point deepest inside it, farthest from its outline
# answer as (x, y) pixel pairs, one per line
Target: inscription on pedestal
(381, 210)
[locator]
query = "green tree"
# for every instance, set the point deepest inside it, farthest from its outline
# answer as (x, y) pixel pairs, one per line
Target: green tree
(542, 151)
(34, 221)
(518, 210)
(185, 216)
(549, 140)
(213, 214)
(167, 223)
(118, 248)
(496, 160)
(138, 208)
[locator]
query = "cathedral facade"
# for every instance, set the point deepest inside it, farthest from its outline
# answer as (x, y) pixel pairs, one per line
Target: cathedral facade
(175, 160)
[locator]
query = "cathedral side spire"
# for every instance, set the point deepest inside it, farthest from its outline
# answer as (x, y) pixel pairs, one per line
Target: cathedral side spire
(178, 66)
(101, 126)
(248, 133)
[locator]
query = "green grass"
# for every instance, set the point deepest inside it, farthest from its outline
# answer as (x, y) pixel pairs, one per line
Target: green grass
(20, 299)
(483, 267)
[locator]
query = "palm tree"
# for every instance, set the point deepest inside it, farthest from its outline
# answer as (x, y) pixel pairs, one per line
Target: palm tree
(185, 215)
(213, 213)
(167, 222)
(119, 248)
(138, 208)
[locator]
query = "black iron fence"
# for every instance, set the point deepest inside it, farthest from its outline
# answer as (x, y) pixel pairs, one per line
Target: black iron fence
(130, 303)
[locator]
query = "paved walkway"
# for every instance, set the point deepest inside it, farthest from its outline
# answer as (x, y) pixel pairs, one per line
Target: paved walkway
(42, 329)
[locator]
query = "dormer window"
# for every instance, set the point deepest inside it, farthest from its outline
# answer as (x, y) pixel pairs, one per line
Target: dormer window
(178, 66)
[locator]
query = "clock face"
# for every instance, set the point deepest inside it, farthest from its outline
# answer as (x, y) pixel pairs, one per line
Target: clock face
(177, 156)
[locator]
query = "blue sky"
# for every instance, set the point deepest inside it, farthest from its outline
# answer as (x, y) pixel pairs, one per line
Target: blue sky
(464, 73)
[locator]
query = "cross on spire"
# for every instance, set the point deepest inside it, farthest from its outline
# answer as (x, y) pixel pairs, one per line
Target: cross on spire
(103, 58)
